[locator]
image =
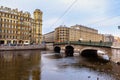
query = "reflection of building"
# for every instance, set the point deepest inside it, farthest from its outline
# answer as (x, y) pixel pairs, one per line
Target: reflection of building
(76, 33)
(19, 67)
(18, 27)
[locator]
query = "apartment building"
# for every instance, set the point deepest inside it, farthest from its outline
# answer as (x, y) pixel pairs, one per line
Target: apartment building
(18, 27)
(83, 33)
(61, 34)
(77, 33)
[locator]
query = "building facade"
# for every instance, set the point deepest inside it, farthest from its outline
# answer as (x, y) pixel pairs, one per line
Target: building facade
(77, 33)
(18, 27)
(83, 33)
(49, 37)
(109, 38)
(61, 34)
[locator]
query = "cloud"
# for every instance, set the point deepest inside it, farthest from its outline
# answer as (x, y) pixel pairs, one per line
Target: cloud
(114, 21)
(107, 25)
(87, 5)
(91, 13)
(86, 11)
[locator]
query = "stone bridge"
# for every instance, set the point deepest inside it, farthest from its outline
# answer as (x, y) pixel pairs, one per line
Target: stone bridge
(84, 49)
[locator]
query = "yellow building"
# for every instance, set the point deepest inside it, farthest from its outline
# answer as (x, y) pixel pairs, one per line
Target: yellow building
(76, 33)
(18, 27)
(61, 34)
(38, 26)
(83, 33)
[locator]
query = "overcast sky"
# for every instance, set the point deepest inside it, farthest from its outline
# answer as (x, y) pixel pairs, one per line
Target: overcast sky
(103, 15)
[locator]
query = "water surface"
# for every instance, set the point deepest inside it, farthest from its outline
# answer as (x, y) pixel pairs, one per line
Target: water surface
(45, 65)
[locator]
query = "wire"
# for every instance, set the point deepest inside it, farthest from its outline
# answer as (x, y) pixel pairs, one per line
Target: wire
(64, 13)
(105, 19)
(108, 18)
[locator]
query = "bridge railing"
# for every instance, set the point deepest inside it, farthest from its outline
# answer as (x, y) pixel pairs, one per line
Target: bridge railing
(89, 43)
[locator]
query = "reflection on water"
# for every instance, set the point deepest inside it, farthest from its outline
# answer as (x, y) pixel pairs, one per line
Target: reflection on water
(43, 65)
(20, 65)
(78, 68)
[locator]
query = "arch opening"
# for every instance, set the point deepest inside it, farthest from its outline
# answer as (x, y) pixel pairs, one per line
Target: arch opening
(94, 55)
(69, 50)
(57, 49)
(89, 53)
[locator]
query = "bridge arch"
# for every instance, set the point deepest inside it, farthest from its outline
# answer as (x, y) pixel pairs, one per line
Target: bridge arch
(89, 53)
(92, 52)
(91, 48)
(69, 50)
(57, 49)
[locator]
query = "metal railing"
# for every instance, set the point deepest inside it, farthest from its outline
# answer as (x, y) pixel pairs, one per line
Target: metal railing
(87, 43)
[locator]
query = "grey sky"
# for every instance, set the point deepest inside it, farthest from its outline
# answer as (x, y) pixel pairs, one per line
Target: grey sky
(103, 15)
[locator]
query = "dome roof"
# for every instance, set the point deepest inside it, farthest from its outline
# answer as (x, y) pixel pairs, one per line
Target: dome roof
(37, 10)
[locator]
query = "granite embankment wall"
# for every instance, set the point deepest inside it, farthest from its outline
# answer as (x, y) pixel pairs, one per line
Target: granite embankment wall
(23, 47)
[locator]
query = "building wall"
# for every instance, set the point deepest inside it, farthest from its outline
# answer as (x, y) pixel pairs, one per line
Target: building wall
(83, 33)
(84, 28)
(109, 38)
(49, 37)
(38, 26)
(17, 27)
(76, 33)
(61, 34)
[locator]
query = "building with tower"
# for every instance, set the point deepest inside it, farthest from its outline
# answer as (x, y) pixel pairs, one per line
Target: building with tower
(18, 27)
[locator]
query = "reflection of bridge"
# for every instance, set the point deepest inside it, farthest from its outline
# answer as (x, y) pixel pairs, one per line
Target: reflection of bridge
(84, 48)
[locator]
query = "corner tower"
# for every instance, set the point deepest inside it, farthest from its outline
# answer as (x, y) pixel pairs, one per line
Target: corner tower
(38, 25)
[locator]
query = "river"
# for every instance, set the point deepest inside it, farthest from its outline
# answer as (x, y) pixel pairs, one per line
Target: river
(46, 65)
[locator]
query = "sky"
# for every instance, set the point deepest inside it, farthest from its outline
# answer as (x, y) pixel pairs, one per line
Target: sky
(103, 15)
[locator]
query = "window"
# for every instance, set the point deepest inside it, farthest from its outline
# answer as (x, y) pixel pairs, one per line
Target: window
(4, 36)
(3, 14)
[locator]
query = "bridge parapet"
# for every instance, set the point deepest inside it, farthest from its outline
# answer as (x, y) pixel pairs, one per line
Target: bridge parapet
(86, 43)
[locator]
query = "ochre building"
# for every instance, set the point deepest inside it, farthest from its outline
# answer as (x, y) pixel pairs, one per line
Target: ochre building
(77, 33)
(18, 27)
(61, 34)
